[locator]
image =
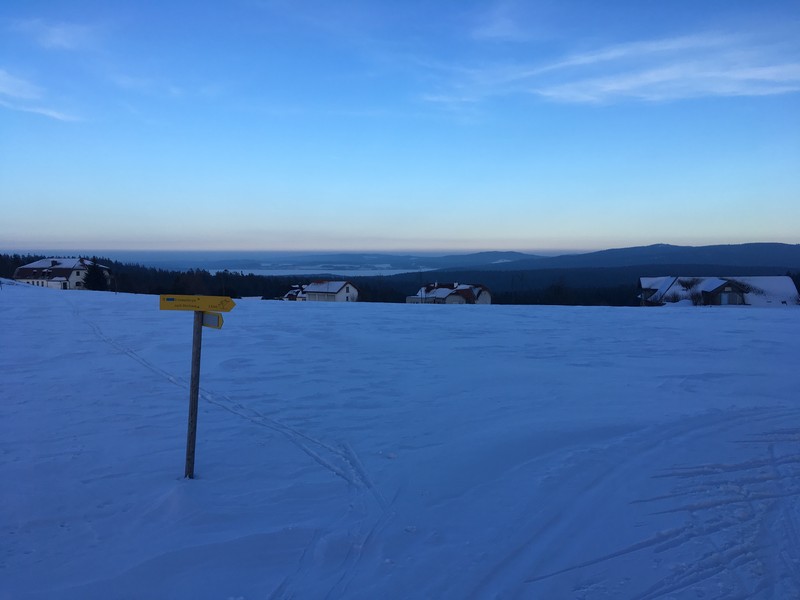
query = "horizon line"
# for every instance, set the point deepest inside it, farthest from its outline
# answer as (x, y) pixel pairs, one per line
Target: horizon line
(429, 252)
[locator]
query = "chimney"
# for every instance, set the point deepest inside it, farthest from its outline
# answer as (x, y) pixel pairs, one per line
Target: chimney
(53, 263)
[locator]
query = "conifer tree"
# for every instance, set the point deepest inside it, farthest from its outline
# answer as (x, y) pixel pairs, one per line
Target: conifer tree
(95, 278)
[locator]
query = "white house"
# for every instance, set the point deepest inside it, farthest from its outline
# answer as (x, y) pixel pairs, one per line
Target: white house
(57, 273)
(777, 290)
(451, 293)
(331, 291)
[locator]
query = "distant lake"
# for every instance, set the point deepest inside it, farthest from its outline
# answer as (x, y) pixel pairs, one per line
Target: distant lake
(323, 270)
(267, 263)
(280, 264)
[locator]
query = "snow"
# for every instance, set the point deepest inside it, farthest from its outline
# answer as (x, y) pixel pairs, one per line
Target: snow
(325, 287)
(709, 284)
(764, 291)
(441, 293)
(60, 263)
(663, 286)
(654, 283)
(445, 290)
(431, 451)
(769, 291)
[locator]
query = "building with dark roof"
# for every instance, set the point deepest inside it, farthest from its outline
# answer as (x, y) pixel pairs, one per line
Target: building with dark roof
(58, 273)
(451, 293)
(776, 290)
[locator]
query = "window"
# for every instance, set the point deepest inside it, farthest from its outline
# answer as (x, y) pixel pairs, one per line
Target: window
(347, 289)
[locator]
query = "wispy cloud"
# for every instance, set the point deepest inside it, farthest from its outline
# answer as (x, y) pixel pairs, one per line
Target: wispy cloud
(39, 110)
(500, 24)
(679, 81)
(516, 21)
(155, 87)
(642, 50)
(23, 96)
(652, 70)
(14, 87)
(672, 69)
(59, 36)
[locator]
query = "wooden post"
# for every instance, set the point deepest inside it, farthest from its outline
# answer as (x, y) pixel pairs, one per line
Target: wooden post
(194, 393)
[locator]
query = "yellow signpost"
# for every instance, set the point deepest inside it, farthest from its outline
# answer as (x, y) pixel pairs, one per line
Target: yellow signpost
(204, 316)
(202, 303)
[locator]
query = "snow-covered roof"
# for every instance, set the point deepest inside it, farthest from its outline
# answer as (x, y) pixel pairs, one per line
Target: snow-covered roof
(435, 293)
(296, 293)
(440, 291)
(777, 285)
(326, 287)
(756, 291)
(53, 269)
(663, 286)
(653, 283)
(766, 291)
(60, 263)
(706, 284)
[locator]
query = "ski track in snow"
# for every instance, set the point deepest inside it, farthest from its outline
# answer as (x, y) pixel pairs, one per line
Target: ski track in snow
(349, 466)
(340, 459)
(708, 516)
(762, 493)
(726, 515)
(695, 520)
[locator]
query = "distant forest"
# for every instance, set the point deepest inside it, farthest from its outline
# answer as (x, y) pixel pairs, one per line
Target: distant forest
(574, 287)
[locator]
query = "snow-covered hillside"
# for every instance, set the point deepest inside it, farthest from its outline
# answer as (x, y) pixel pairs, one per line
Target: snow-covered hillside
(398, 451)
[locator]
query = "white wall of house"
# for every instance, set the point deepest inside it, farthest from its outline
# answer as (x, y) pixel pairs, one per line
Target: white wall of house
(76, 279)
(319, 297)
(48, 283)
(347, 294)
(72, 282)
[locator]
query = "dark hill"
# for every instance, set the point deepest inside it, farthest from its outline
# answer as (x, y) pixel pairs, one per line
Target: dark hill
(781, 256)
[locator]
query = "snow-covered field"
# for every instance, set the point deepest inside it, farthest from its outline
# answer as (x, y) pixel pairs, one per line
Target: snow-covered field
(398, 451)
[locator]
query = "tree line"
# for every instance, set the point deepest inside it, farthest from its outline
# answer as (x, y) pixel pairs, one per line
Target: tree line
(139, 279)
(575, 287)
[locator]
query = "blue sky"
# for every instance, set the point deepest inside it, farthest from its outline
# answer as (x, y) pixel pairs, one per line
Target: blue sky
(451, 125)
